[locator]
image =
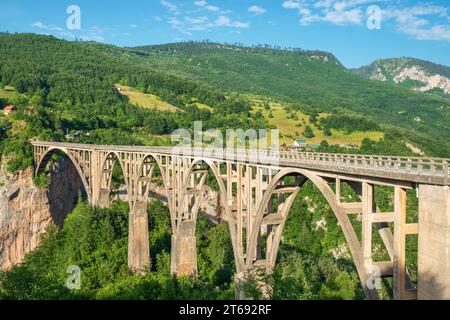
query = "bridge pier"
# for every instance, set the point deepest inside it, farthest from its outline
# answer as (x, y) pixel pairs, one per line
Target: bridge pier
(434, 243)
(184, 250)
(138, 240)
(103, 200)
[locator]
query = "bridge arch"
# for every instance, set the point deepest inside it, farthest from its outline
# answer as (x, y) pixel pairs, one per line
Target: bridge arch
(329, 195)
(110, 159)
(215, 169)
(42, 164)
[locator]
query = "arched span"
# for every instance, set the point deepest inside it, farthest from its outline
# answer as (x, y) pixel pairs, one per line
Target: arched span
(342, 218)
(113, 157)
(107, 167)
(239, 260)
(46, 159)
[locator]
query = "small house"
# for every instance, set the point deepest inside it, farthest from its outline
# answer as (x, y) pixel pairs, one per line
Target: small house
(299, 145)
(9, 110)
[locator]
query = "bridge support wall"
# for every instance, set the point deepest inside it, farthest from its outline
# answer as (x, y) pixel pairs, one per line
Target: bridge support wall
(184, 250)
(434, 242)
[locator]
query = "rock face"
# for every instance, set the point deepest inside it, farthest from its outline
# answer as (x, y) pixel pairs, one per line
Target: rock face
(417, 74)
(27, 211)
(429, 81)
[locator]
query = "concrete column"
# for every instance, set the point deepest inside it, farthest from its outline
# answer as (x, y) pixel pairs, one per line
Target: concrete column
(184, 250)
(434, 242)
(95, 179)
(103, 200)
(239, 280)
(368, 205)
(399, 271)
(138, 240)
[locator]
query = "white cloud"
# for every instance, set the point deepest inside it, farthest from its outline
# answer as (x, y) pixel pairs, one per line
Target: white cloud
(224, 21)
(50, 27)
(416, 21)
(421, 21)
(212, 8)
(173, 8)
(342, 17)
(291, 4)
(257, 10)
(92, 34)
(204, 4)
(133, 25)
(198, 20)
(201, 3)
(212, 17)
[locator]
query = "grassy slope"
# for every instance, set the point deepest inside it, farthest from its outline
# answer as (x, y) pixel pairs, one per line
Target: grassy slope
(288, 127)
(8, 93)
(145, 100)
(289, 130)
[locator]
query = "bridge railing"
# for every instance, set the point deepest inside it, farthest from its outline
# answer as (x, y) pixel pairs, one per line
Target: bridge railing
(437, 167)
(413, 165)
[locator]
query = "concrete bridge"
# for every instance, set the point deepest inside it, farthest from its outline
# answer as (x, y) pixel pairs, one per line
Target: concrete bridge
(257, 190)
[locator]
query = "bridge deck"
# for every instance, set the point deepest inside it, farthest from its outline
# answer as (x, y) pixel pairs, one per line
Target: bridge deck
(434, 171)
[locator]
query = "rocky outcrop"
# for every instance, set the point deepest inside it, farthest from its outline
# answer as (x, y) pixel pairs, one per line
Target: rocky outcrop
(429, 81)
(419, 75)
(27, 211)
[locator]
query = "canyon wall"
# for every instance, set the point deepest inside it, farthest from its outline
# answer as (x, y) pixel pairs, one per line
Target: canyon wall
(26, 211)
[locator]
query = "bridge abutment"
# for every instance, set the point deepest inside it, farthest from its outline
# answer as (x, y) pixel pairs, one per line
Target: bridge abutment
(138, 239)
(184, 250)
(434, 243)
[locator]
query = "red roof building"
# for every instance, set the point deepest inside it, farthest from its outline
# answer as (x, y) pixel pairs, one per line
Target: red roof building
(9, 109)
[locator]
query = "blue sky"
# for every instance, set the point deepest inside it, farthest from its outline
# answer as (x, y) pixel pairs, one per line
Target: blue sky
(407, 27)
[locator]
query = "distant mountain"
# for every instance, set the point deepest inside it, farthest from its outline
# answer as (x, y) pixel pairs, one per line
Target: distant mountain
(415, 74)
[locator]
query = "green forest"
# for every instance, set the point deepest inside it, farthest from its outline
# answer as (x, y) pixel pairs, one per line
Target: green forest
(63, 88)
(96, 241)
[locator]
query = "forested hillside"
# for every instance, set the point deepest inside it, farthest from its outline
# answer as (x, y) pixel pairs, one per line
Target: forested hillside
(69, 87)
(311, 79)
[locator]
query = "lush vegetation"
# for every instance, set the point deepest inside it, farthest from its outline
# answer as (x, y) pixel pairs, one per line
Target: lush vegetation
(348, 121)
(67, 91)
(95, 240)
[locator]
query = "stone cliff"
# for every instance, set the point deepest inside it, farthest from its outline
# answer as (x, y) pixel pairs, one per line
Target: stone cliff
(27, 211)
